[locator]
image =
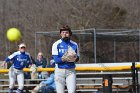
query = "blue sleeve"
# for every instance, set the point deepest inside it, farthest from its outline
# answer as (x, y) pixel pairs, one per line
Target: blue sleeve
(49, 80)
(57, 59)
(29, 62)
(7, 60)
(11, 57)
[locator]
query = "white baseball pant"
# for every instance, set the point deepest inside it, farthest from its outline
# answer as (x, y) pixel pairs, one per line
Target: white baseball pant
(63, 76)
(16, 74)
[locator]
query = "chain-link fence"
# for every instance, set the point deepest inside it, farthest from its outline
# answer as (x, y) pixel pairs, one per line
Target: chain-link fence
(96, 45)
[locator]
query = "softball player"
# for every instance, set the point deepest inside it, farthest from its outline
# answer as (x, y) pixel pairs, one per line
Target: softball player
(65, 69)
(20, 60)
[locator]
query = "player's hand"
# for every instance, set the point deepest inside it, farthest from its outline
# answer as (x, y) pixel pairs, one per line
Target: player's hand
(33, 68)
(3, 64)
(72, 58)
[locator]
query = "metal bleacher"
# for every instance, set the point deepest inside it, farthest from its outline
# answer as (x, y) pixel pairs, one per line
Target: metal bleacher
(87, 81)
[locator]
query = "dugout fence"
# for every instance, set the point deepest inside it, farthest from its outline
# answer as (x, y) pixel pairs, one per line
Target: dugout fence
(103, 47)
(99, 46)
(96, 45)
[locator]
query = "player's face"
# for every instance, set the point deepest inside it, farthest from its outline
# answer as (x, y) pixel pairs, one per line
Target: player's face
(22, 49)
(65, 34)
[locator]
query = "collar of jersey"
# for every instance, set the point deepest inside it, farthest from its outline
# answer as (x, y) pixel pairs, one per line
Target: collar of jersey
(66, 41)
(22, 52)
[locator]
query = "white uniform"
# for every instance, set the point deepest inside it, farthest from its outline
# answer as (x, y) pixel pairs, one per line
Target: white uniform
(64, 71)
(20, 60)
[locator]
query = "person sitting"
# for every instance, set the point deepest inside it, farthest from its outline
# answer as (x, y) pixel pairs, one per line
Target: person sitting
(47, 86)
(41, 63)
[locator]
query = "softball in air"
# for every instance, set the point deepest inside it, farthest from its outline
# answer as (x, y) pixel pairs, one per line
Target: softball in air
(13, 34)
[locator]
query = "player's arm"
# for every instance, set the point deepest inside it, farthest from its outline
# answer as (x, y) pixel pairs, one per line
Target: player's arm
(3, 64)
(56, 58)
(8, 59)
(30, 61)
(78, 54)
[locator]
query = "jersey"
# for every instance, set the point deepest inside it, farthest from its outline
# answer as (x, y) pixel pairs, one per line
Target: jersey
(58, 50)
(20, 59)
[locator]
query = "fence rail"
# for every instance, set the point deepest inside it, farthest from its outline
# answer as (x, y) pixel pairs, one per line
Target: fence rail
(90, 67)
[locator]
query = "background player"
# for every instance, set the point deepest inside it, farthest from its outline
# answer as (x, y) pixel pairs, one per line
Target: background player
(20, 60)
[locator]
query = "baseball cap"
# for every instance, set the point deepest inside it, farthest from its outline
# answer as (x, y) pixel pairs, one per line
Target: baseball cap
(22, 45)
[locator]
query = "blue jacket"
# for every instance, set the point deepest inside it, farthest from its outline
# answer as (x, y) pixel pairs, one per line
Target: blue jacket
(58, 50)
(50, 81)
(20, 59)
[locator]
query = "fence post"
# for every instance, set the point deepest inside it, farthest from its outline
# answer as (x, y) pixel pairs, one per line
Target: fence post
(135, 78)
(107, 83)
(137, 81)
